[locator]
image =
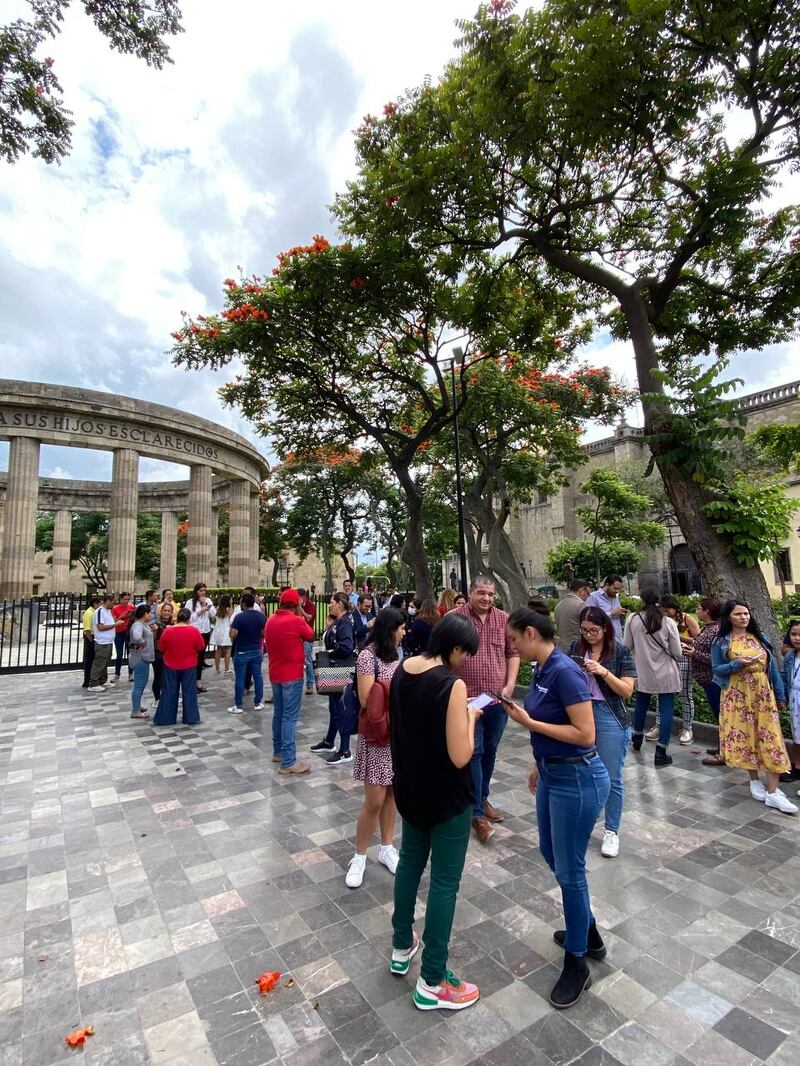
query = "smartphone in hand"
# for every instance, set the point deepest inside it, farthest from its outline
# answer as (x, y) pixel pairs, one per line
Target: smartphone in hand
(579, 659)
(499, 697)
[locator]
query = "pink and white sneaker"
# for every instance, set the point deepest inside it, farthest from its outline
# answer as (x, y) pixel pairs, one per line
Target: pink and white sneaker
(451, 994)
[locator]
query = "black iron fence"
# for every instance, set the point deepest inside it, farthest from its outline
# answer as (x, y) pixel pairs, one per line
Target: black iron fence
(46, 632)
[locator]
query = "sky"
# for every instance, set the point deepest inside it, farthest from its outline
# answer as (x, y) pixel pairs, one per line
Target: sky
(177, 177)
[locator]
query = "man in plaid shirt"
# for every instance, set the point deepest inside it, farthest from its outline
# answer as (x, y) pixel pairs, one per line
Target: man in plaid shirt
(494, 668)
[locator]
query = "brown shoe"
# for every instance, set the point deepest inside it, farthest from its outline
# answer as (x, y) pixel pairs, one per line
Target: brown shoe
(276, 758)
(484, 829)
(492, 813)
(296, 768)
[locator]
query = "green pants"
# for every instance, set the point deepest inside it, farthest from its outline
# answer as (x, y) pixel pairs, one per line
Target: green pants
(446, 844)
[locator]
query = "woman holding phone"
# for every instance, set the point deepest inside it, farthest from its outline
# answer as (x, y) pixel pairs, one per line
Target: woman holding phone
(570, 783)
(611, 674)
(750, 735)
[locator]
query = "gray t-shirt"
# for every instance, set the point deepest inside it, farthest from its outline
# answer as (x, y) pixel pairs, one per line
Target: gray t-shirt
(142, 647)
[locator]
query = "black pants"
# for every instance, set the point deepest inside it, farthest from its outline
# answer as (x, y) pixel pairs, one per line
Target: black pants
(88, 659)
(201, 658)
(158, 675)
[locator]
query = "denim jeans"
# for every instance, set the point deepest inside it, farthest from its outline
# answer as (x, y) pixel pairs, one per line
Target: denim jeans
(241, 660)
(569, 798)
(121, 644)
(174, 681)
(446, 844)
(308, 651)
(141, 672)
(488, 731)
(612, 742)
(287, 697)
(666, 709)
(334, 721)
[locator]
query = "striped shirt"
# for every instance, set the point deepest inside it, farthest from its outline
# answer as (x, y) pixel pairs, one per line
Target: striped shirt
(488, 669)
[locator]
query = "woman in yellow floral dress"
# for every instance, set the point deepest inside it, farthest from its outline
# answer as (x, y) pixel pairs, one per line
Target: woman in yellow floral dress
(752, 690)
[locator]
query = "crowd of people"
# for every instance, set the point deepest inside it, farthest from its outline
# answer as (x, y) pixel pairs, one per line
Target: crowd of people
(436, 683)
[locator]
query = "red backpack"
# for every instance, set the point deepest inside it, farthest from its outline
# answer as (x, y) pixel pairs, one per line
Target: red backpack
(373, 719)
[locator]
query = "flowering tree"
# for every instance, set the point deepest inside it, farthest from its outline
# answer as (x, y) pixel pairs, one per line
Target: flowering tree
(343, 343)
(628, 150)
(33, 116)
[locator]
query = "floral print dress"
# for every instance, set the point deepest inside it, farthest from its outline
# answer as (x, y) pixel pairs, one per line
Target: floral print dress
(749, 726)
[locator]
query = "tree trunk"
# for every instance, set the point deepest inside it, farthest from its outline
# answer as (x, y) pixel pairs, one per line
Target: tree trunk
(275, 568)
(502, 558)
(344, 556)
(414, 548)
(722, 576)
(326, 559)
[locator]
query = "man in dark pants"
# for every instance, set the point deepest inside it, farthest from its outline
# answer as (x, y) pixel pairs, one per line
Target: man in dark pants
(493, 669)
(88, 639)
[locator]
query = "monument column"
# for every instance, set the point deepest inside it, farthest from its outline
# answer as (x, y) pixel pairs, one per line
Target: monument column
(213, 573)
(62, 537)
(254, 552)
(239, 568)
(198, 541)
(122, 520)
(168, 570)
(19, 530)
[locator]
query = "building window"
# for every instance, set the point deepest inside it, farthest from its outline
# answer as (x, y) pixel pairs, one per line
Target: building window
(782, 565)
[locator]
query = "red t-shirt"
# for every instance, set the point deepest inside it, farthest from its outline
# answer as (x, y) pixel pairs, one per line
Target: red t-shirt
(180, 645)
(120, 611)
(283, 639)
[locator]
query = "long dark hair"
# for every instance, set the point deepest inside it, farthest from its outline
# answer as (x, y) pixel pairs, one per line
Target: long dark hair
(224, 606)
(650, 613)
(725, 622)
(379, 637)
(598, 617)
(673, 604)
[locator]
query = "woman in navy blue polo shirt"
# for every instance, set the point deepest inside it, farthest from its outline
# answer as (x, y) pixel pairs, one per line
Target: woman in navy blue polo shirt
(570, 784)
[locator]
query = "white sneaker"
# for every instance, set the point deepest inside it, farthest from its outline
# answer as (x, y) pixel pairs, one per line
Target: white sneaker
(113, 680)
(259, 706)
(652, 733)
(389, 857)
(686, 737)
(96, 688)
(758, 791)
(355, 871)
(610, 845)
(780, 802)
(235, 710)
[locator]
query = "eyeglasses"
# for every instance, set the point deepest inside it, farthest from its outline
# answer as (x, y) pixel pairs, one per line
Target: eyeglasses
(593, 632)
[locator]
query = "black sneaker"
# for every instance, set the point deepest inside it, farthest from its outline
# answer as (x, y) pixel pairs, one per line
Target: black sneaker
(321, 748)
(339, 757)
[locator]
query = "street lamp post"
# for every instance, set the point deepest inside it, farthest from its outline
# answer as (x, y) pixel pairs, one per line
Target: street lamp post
(458, 357)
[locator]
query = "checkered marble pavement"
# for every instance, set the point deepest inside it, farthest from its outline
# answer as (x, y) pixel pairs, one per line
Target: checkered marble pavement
(148, 876)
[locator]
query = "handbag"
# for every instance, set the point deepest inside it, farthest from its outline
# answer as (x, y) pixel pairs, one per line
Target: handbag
(330, 677)
(373, 718)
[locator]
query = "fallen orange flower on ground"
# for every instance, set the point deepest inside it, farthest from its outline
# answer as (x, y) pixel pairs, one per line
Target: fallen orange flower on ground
(78, 1037)
(267, 981)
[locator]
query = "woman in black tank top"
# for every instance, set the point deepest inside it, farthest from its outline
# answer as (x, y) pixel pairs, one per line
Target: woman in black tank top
(432, 739)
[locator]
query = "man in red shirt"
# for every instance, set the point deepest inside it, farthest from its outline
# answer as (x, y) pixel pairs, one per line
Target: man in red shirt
(493, 669)
(285, 633)
(123, 616)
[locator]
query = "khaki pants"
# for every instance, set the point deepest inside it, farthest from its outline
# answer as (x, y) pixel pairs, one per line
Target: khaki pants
(102, 657)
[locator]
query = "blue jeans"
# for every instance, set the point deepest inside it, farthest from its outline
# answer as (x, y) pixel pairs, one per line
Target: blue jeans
(308, 651)
(488, 731)
(612, 742)
(141, 672)
(287, 696)
(186, 682)
(241, 661)
(120, 643)
(569, 798)
(666, 709)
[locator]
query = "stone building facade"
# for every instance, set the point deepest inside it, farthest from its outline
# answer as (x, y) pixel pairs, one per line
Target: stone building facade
(537, 527)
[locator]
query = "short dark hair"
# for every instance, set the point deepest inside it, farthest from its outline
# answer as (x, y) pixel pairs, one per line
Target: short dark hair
(578, 583)
(482, 579)
(183, 615)
(248, 600)
(612, 578)
(249, 588)
(712, 607)
(94, 600)
(124, 594)
(524, 618)
(454, 631)
(151, 592)
(302, 592)
(539, 604)
(365, 596)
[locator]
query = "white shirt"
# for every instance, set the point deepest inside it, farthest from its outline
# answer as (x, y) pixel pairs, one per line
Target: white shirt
(104, 616)
(202, 617)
